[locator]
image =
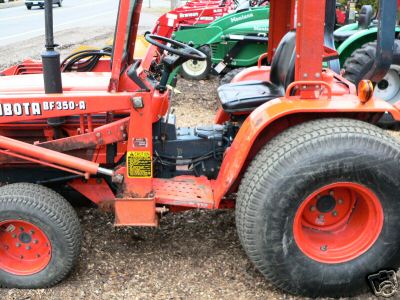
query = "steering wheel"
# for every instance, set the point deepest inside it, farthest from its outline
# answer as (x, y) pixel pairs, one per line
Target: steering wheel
(182, 50)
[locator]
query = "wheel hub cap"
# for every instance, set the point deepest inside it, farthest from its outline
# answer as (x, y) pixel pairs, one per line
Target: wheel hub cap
(338, 223)
(24, 248)
(195, 67)
(326, 204)
(388, 89)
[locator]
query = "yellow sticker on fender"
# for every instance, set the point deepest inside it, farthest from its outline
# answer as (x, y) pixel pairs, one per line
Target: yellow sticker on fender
(139, 164)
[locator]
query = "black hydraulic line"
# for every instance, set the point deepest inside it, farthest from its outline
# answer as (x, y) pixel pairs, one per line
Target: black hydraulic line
(58, 179)
(83, 61)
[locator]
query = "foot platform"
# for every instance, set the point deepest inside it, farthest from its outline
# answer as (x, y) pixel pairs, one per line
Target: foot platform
(186, 191)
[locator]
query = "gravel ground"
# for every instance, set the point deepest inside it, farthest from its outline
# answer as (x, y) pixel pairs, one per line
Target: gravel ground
(193, 255)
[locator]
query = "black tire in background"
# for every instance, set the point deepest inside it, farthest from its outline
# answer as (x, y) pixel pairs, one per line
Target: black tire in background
(29, 7)
(360, 63)
(289, 169)
(198, 70)
(228, 77)
(55, 218)
(60, 3)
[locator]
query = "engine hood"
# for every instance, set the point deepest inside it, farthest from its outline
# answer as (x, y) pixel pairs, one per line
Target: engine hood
(72, 82)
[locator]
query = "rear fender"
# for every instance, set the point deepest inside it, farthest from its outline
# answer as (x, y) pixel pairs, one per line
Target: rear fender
(274, 117)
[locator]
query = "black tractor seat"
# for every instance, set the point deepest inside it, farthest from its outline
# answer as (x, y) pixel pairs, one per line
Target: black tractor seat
(364, 21)
(246, 96)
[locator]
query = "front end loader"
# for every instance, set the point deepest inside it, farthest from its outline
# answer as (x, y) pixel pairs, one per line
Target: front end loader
(312, 179)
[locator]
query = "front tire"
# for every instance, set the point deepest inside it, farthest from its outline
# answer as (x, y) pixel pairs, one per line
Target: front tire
(197, 70)
(40, 236)
(326, 248)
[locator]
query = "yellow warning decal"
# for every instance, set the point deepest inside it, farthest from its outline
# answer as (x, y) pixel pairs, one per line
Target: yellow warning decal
(139, 164)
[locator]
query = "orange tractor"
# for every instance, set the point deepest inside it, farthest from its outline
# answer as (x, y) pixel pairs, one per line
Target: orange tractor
(313, 181)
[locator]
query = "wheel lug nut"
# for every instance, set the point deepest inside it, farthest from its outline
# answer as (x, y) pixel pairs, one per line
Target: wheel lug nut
(334, 213)
(32, 232)
(340, 201)
(35, 241)
(21, 228)
(312, 208)
(324, 248)
(331, 193)
(14, 236)
(17, 245)
(28, 247)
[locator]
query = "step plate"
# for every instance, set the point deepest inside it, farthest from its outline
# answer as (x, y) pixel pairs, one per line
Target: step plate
(186, 191)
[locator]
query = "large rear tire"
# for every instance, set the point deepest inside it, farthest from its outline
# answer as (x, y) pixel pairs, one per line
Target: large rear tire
(40, 236)
(360, 63)
(317, 211)
(197, 70)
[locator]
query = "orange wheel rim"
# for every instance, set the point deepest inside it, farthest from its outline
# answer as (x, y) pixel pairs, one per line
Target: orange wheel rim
(24, 248)
(338, 222)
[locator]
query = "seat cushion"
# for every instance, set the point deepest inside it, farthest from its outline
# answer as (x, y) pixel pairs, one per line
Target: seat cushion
(247, 95)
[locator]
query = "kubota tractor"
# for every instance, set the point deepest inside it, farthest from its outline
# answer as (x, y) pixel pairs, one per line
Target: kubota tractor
(312, 179)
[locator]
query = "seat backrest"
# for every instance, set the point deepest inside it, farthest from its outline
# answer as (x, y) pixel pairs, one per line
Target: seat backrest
(365, 18)
(283, 62)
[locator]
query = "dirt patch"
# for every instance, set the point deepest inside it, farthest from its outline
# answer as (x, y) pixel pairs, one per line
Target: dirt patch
(197, 102)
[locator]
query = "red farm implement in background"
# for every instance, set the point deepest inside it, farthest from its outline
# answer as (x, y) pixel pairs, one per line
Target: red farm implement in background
(297, 154)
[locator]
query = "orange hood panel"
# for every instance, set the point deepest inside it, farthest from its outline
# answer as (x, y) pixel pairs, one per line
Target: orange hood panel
(72, 82)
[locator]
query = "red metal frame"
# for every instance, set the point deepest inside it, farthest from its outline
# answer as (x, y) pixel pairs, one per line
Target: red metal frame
(127, 115)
